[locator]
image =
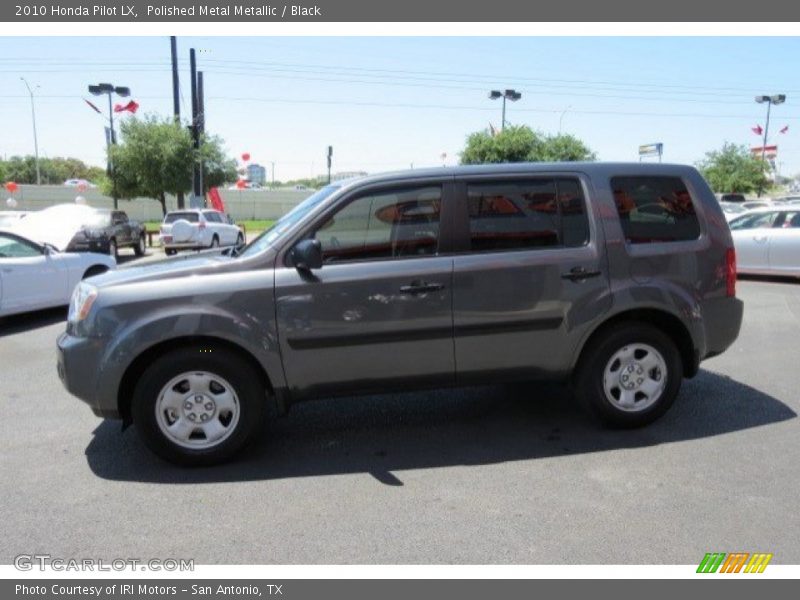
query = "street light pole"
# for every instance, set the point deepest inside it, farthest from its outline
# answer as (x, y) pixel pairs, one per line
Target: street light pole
(561, 118)
(512, 95)
(109, 89)
(769, 101)
(35, 137)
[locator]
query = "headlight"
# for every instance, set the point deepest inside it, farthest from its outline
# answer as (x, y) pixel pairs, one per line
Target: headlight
(82, 300)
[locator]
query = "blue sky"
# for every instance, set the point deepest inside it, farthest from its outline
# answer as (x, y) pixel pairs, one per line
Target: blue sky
(388, 103)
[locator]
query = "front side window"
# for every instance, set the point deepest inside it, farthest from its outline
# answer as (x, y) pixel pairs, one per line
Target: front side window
(755, 221)
(396, 224)
(655, 209)
(519, 215)
(13, 247)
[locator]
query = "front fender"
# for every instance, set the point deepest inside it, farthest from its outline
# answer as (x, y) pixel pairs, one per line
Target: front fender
(255, 336)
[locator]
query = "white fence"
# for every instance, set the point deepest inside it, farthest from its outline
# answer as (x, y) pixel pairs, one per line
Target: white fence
(241, 205)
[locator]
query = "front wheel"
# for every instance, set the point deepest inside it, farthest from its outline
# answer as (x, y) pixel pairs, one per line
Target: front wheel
(630, 376)
(195, 406)
(141, 246)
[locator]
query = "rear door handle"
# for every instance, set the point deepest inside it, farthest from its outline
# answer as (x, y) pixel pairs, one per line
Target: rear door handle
(420, 287)
(760, 238)
(579, 274)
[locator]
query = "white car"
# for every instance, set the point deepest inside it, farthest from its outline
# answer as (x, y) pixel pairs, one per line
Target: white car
(767, 241)
(79, 182)
(35, 276)
(193, 229)
(732, 210)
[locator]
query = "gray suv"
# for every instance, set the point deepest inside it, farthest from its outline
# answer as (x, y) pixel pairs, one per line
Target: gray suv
(616, 278)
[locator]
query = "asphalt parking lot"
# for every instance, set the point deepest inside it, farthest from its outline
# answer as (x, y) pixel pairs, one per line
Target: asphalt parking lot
(501, 474)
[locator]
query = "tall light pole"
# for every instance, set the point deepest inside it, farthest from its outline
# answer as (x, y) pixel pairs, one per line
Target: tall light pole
(561, 118)
(35, 137)
(512, 95)
(769, 101)
(111, 138)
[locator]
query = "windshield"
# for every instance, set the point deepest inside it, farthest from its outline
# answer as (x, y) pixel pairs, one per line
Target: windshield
(269, 236)
(99, 219)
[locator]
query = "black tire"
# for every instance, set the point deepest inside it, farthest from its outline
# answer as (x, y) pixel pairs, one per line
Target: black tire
(113, 250)
(589, 378)
(246, 384)
(94, 270)
(140, 248)
(170, 251)
(214, 242)
(239, 240)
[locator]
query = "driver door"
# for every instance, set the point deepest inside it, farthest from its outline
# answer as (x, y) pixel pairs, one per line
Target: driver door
(379, 311)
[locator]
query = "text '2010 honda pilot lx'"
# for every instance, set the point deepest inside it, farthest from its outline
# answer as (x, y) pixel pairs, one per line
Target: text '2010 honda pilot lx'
(616, 278)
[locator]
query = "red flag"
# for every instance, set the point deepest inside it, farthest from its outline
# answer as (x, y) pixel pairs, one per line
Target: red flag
(785, 129)
(757, 130)
(131, 107)
(97, 110)
(216, 200)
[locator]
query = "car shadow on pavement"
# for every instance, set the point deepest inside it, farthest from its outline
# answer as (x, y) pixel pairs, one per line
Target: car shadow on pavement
(24, 322)
(382, 435)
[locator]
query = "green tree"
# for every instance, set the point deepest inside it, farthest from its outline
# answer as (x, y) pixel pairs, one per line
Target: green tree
(733, 169)
(155, 158)
(522, 144)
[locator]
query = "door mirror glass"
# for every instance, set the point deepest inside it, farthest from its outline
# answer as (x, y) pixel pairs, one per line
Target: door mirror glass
(307, 255)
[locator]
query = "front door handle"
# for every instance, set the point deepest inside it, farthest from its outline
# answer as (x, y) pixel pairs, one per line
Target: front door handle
(760, 238)
(420, 287)
(579, 274)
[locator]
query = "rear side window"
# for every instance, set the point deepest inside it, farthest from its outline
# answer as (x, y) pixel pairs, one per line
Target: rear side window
(212, 216)
(192, 217)
(520, 215)
(655, 209)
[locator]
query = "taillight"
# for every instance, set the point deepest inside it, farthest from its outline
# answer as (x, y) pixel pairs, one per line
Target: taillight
(730, 271)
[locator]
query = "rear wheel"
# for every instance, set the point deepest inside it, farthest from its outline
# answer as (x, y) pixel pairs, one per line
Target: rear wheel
(630, 376)
(215, 241)
(195, 406)
(112, 247)
(169, 251)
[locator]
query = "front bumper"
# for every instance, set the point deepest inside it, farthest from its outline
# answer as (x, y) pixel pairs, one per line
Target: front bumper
(99, 246)
(78, 365)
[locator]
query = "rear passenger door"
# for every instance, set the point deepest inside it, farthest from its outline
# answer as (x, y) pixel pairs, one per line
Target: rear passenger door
(529, 275)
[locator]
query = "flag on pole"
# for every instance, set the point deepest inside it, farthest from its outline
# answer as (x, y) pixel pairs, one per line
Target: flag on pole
(216, 200)
(94, 108)
(131, 107)
(757, 130)
(785, 129)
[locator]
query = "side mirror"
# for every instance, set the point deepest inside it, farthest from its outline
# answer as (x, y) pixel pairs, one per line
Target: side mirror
(307, 255)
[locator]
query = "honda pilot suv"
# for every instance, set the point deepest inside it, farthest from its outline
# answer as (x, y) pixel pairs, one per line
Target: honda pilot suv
(615, 278)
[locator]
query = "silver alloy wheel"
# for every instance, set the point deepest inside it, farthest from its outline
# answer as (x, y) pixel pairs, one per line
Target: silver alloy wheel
(197, 410)
(635, 377)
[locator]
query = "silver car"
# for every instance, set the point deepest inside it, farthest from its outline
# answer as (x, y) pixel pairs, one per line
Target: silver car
(767, 241)
(616, 278)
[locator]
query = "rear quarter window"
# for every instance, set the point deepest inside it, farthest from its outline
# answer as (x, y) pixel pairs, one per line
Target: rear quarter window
(655, 209)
